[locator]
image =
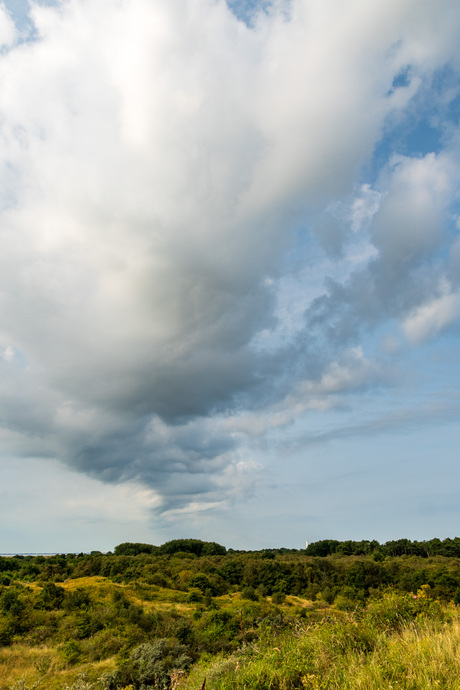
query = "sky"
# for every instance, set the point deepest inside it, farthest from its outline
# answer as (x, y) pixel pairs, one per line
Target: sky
(229, 272)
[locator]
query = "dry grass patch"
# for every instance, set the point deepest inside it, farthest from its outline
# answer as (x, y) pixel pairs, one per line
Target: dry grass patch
(67, 677)
(30, 663)
(44, 666)
(93, 582)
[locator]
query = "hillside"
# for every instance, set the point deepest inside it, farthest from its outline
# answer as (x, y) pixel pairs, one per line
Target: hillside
(170, 616)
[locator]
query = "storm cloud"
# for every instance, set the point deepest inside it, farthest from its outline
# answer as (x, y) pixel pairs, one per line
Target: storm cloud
(199, 241)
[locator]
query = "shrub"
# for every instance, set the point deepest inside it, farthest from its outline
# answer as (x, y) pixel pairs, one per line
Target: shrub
(249, 593)
(51, 597)
(11, 603)
(152, 664)
(6, 634)
(71, 651)
(195, 596)
(80, 598)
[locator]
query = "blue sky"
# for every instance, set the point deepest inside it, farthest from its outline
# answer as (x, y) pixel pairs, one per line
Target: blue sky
(230, 272)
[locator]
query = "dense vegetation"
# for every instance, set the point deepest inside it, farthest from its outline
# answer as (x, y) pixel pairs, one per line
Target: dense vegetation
(168, 616)
(450, 548)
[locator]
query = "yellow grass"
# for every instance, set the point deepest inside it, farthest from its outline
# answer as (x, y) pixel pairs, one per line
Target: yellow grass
(33, 664)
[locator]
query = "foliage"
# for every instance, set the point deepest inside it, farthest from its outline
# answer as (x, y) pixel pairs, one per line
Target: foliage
(151, 665)
(134, 549)
(196, 546)
(148, 615)
(450, 548)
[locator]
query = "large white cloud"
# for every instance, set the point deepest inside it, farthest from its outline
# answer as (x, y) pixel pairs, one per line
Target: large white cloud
(157, 159)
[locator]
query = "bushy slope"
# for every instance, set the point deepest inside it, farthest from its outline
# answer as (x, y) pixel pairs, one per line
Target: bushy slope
(281, 619)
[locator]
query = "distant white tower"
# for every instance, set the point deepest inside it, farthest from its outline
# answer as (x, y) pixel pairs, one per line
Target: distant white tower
(306, 544)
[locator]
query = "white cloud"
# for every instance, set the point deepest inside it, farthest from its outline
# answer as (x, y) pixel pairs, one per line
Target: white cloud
(432, 318)
(8, 353)
(364, 207)
(410, 219)
(7, 28)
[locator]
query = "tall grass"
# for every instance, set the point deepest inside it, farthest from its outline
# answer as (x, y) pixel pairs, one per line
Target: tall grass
(30, 668)
(393, 643)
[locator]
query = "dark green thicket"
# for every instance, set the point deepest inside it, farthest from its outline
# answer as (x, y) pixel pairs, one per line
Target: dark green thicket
(196, 546)
(449, 548)
(134, 549)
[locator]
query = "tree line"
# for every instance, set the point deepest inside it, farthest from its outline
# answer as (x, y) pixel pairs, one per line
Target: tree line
(326, 568)
(450, 548)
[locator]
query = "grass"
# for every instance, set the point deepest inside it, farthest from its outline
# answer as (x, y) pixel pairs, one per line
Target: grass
(23, 666)
(360, 651)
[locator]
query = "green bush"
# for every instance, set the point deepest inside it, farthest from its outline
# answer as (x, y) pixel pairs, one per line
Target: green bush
(278, 598)
(51, 597)
(71, 652)
(249, 593)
